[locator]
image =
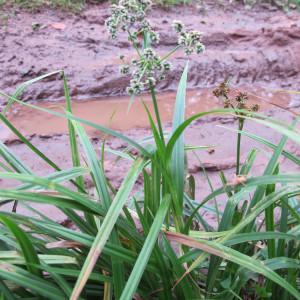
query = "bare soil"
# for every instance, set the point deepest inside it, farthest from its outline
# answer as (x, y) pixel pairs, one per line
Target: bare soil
(258, 49)
(259, 46)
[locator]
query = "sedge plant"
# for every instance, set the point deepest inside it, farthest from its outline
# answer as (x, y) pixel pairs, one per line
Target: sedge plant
(160, 246)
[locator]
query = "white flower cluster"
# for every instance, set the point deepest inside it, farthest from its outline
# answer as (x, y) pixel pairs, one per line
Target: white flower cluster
(189, 40)
(130, 15)
(146, 71)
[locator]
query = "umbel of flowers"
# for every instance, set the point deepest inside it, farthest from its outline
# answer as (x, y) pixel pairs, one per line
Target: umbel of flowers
(148, 68)
(189, 40)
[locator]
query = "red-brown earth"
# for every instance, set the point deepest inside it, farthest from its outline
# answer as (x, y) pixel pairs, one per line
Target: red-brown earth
(257, 49)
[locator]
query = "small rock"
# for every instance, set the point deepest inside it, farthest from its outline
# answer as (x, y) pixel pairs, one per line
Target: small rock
(295, 102)
(58, 26)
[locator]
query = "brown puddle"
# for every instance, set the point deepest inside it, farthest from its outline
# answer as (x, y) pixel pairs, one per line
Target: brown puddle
(113, 111)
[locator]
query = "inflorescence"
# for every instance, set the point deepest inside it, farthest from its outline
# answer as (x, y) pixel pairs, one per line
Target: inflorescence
(189, 40)
(149, 68)
(130, 16)
(238, 102)
(146, 71)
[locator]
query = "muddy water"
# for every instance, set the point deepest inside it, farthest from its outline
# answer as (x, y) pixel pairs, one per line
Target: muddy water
(113, 112)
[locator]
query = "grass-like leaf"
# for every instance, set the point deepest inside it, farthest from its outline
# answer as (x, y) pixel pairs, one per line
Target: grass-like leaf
(28, 251)
(148, 246)
(107, 226)
(224, 252)
(177, 161)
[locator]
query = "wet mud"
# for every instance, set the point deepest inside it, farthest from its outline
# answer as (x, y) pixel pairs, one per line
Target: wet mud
(125, 113)
(258, 47)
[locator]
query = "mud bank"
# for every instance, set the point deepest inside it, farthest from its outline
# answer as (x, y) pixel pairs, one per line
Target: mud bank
(256, 46)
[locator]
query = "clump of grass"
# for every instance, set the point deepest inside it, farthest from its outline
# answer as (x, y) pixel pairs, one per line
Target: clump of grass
(281, 4)
(168, 3)
(34, 5)
(78, 5)
(285, 4)
(152, 251)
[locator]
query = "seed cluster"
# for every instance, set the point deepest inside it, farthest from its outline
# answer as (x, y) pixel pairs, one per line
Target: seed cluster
(189, 40)
(238, 102)
(149, 68)
(145, 71)
(129, 16)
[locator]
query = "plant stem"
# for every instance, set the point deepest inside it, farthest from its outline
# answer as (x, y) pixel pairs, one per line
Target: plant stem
(238, 146)
(170, 53)
(143, 72)
(154, 100)
(134, 44)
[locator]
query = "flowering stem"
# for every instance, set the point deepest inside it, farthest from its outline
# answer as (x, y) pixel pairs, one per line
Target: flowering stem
(154, 100)
(143, 72)
(134, 44)
(238, 147)
(145, 40)
(170, 53)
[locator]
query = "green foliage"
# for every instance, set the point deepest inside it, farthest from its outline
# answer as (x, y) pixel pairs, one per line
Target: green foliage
(285, 4)
(78, 5)
(33, 5)
(155, 266)
(172, 2)
(281, 4)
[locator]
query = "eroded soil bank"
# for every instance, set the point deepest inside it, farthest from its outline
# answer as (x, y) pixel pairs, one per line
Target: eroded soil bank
(258, 46)
(257, 49)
